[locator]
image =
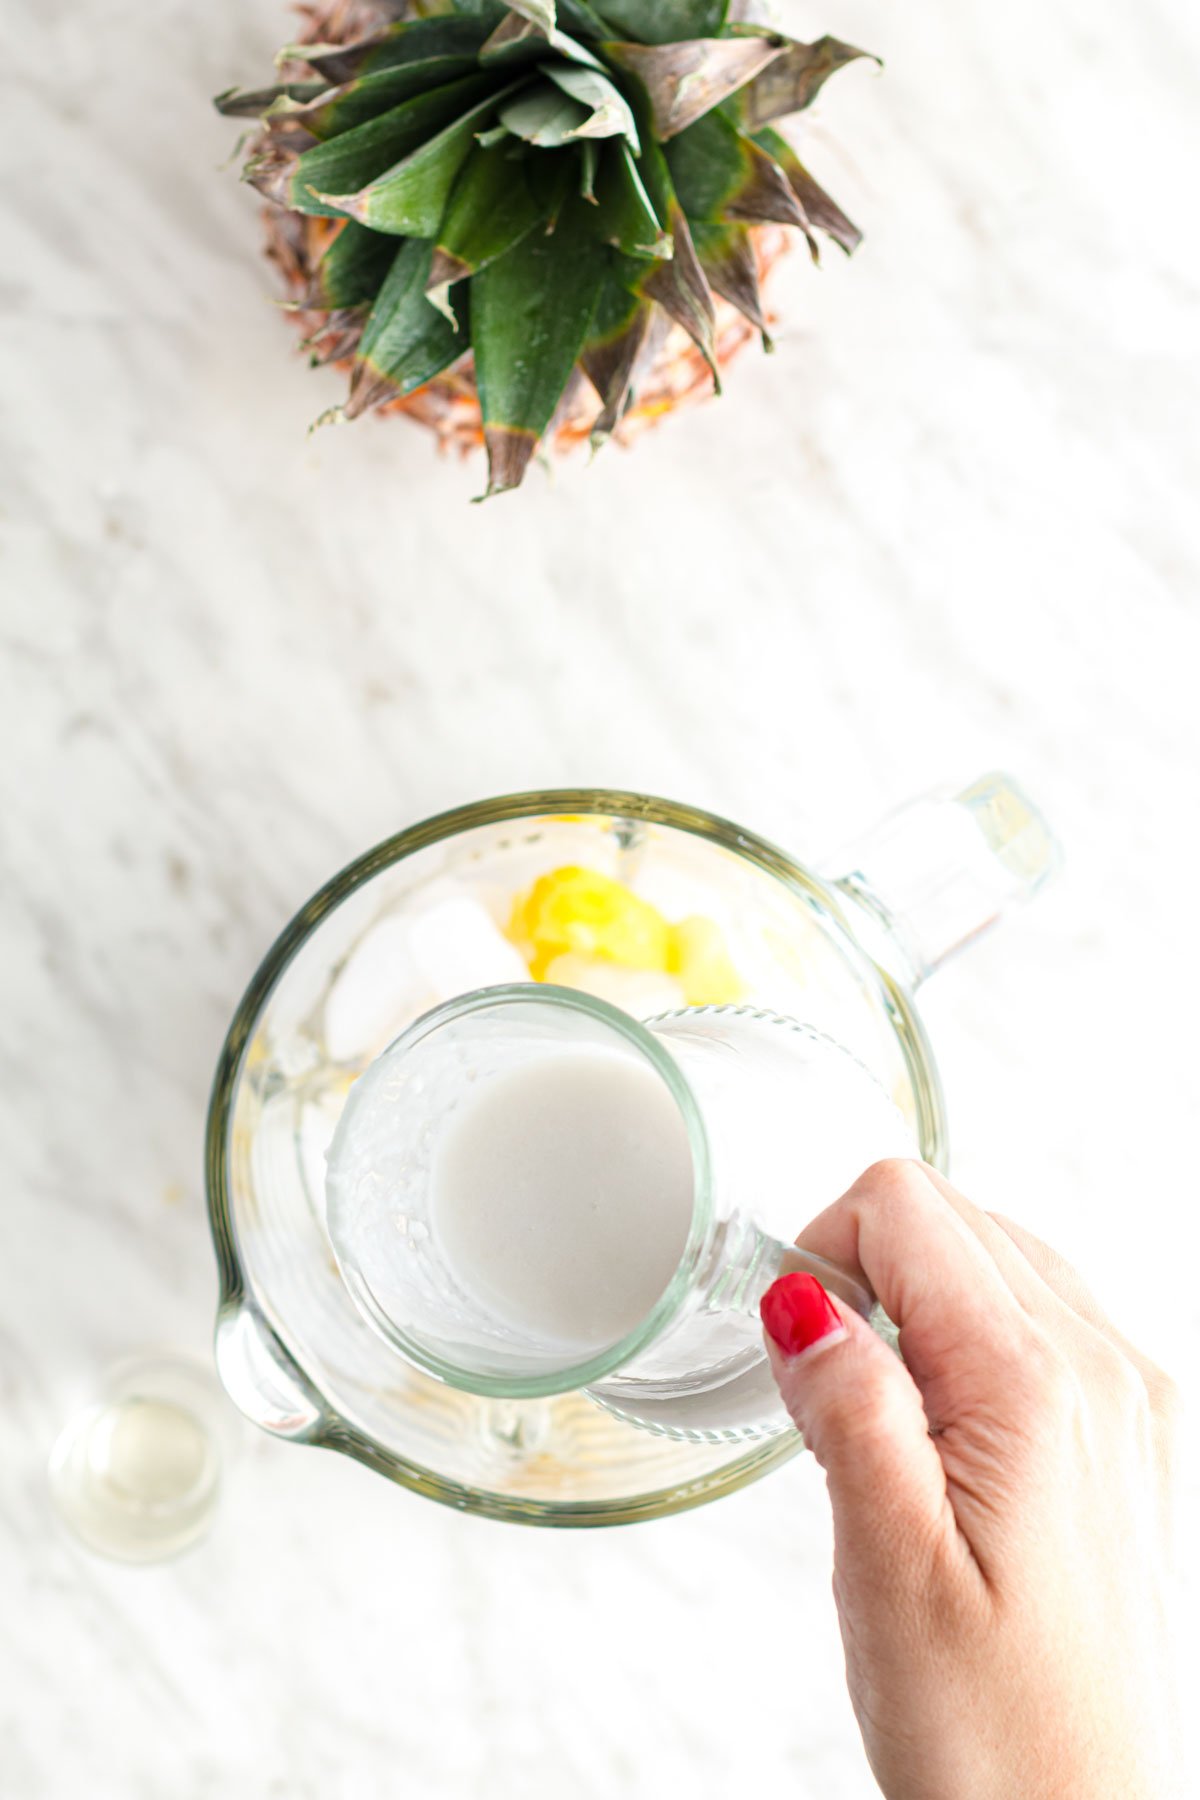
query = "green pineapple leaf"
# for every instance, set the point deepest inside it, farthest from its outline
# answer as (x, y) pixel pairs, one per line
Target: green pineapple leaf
(679, 286)
(610, 356)
(406, 341)
(676, 283)
(493, 204)
(820, 209)
(252, 103)
(581, 18)
(662, 21)
(538, 12)
(338, 109)
(353, 268)
(516, 40)
(793, 81)
(589, 167)
(409, 198)
(413, 40)
(683, 81)
(626, 217)
(352, 160)
(726, 254)
(544, 116)
(530, 314)
(611, 114)
(721, 175)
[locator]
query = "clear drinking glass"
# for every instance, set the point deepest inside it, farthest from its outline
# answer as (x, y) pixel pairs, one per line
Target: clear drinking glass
(778, 1120)
(136, 1473)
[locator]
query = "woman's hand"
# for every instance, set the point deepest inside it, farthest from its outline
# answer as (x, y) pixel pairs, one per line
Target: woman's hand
(1001, 1504)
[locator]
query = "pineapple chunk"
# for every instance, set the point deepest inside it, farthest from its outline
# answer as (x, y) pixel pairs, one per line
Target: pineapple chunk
(573, 922)
(701, 964)
(582, 911)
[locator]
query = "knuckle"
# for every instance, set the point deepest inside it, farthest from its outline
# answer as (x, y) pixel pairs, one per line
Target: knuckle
(891, 1187)
(895, 1174)
(1051, 1378)
(1118, 1377)
(1136, 1387)
(1166, 1400)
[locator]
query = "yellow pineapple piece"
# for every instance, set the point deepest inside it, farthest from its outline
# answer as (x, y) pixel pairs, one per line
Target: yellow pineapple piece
(700, 962)
(574, 920)
(581, 911)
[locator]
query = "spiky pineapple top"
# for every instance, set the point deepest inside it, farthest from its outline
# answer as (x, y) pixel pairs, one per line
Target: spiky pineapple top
(529, 182)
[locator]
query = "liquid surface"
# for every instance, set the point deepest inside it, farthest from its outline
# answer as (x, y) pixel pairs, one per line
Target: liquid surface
(148, 1453)
(561, 1196)
(136, 1478)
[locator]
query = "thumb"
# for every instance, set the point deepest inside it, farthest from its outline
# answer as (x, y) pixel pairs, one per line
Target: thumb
(861, 1415)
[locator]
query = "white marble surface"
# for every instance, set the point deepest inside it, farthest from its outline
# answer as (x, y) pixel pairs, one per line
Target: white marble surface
(952, 525)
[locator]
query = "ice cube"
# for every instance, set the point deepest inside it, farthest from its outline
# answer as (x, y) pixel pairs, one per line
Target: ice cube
(379, 990)
(318, 1122)
(640, 992)
(456, 946)
(678, 891)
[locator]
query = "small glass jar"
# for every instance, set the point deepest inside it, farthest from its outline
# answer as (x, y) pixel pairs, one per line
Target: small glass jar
(136, 1473)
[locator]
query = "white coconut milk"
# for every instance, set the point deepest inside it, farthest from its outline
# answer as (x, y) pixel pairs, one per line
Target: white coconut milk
(561, 1196)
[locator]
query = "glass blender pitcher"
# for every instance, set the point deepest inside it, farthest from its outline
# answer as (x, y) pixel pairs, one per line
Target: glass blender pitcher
(426, 919)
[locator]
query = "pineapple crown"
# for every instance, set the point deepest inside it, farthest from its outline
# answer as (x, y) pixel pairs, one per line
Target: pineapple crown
(531, 181)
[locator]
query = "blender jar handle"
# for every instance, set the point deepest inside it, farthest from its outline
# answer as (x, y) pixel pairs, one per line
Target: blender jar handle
(792, 1260)
(755, 1260)
(943, 869)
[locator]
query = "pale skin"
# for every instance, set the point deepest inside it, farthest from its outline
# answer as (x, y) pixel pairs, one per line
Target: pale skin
(1002, 1506)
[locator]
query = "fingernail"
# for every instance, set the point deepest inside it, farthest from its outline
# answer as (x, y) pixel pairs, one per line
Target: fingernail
(797, 1313)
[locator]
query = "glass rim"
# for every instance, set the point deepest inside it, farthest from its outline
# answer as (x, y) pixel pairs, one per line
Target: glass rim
(586, 1372)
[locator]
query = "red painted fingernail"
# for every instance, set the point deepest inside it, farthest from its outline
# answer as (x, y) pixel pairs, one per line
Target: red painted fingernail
(797, 1313)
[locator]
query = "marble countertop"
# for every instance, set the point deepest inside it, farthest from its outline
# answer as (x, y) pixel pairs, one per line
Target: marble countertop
(950, 526)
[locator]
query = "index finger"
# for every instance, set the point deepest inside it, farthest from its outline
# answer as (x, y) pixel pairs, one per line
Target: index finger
(933, 1275)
